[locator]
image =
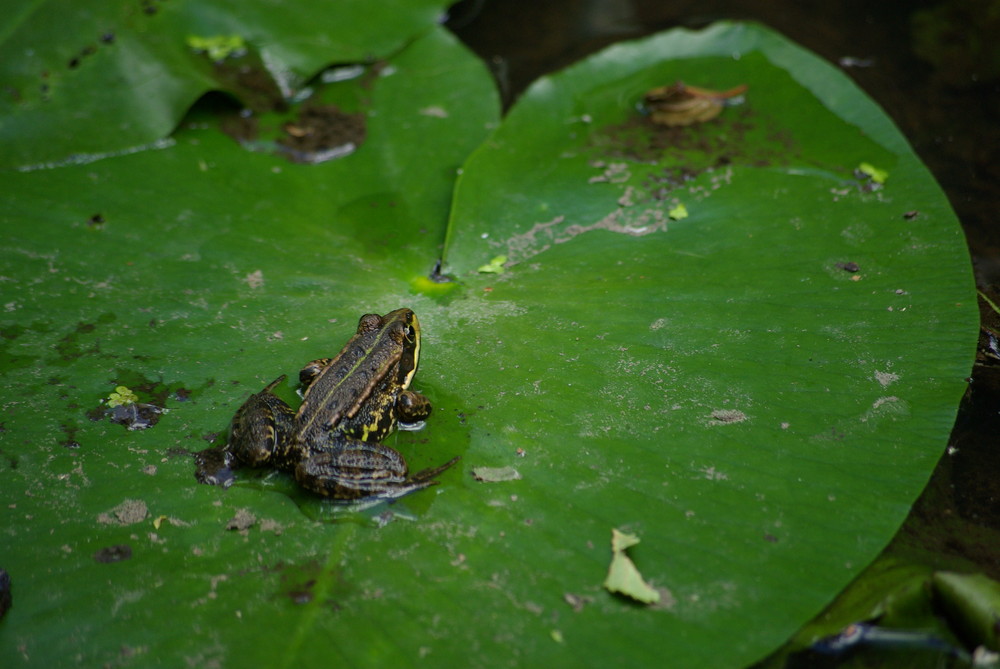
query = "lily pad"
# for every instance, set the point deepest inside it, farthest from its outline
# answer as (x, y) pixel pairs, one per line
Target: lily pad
(761, 415)
(123, 73)
(192, 274)
(715, 384)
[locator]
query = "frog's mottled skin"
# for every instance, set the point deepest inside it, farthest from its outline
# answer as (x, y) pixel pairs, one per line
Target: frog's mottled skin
(350, 404)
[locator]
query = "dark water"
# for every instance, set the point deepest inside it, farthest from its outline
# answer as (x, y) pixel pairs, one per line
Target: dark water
(949, 110)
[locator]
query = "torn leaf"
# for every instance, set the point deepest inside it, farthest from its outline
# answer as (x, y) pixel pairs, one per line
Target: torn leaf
(623, 576)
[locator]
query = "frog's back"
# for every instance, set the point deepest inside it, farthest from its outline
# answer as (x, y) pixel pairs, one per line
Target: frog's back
(347, 384)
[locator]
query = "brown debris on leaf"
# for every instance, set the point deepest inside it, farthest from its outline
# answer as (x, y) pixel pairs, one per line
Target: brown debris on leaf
(321, 133)
(115, 553)
(242, 521)
(129, 512)
(679, 104)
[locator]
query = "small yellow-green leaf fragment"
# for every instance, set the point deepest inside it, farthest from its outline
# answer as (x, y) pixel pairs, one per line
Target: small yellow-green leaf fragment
(874, 173)
(218, 47)
(122, 397)
(556, 636)
(620, 541)
(158, 521)
(494, 266)
(678, 212)
(623, 576)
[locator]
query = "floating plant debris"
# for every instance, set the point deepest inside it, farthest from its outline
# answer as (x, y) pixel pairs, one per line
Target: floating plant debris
(679, 104)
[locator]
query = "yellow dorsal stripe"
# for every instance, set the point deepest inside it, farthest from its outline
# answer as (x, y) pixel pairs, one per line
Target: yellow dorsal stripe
(364, 393)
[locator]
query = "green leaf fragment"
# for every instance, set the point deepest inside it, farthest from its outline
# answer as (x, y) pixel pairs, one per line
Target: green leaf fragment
(122, 397)
(218, 47)
(678, 212)
(494, 266)
(874, 173)
(623, 576)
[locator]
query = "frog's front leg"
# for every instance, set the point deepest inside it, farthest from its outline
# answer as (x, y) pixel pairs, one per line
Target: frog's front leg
(353, 469)
(261, 429)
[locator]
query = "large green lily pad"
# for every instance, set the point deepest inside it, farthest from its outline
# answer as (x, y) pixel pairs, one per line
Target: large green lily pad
(728, 387)
(87, 78)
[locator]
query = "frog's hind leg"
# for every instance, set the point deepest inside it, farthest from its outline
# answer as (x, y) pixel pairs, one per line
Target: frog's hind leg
(351, 470)
(358, 469)
(261, 428)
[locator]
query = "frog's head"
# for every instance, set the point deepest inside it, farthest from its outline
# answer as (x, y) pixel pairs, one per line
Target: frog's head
(403, 329)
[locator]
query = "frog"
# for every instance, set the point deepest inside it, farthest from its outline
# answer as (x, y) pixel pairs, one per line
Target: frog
(350, 403)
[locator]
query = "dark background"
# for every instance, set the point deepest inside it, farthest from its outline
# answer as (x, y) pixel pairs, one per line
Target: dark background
(935, 68)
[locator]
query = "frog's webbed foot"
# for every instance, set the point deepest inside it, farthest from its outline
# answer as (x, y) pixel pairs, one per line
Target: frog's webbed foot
(412, 408)
(358, 469)
(260, 428)
(309, 373)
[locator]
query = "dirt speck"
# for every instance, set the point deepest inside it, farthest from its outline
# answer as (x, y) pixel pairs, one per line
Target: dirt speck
(726, 416)
(270, 525)
(242, 521)
(298, 582)
(434, 111)
(116, 553)
(494, 474)
(667, 599)
(129, 512)
(577, 602)
(254, 279)
(886, 378)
